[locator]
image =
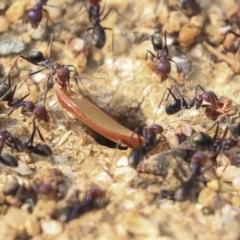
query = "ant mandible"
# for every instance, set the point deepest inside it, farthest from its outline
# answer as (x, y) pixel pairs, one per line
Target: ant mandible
(162, 65)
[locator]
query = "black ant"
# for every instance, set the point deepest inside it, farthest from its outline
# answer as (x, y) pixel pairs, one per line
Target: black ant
(34, 15)
(191, 186)
(216, 108)
(150, 142)
(162, 65)
(20, 146)
(7, 92)
(62, 72)
(98, 31)
(81, 201)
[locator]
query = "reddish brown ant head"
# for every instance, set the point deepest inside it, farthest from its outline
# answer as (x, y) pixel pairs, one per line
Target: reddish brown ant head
(156, 128)
(94, 1)
(41, 113)
(35, 15)
(210, 97)
(63, 74)
(200, 158)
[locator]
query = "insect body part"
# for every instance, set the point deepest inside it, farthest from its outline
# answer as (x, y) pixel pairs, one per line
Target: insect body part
(162, 65)
(97, 119)
(151, 141)
(34, 15)
(190, 188)
(9, 160)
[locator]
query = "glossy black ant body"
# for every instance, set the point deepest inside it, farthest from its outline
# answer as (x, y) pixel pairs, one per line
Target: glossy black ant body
(98, 31)
(162, 65)
(16, 144)
(151, 141)
(34, 15)
(191, 187)
(213, 109)
(7, 92)
(62, 72)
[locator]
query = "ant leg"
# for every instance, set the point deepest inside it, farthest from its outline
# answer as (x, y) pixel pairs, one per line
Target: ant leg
(196, 89)
(165, 42)
(84, 38)
(112, 44)
(49, 85)
(109, 10)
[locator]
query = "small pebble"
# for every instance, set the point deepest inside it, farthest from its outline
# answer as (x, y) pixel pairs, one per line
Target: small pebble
(32, 226)
(22, 169)
(227, 173)
(125, 174)
(10, 45)
(236, 182)
(207, 197)
(15, 11)
(197, 51)
(122, 162)
(16, 218)
(51, 227)
(188, 35)
(4, 24)
(44, 208)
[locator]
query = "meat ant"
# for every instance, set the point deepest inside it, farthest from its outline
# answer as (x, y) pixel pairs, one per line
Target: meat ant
(162, 64)
(34, 15)
(98, 31)
(20, 146)
(191, 186)
(81, 201)
(213, 111)
(62, 72)
(7, 92)
(150, 142)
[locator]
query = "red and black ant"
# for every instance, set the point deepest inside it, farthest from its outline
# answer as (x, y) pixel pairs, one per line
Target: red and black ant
(191, 188)
(7, 92)
(213, 110)
(20, 146)
(81, 201)
(98, 31)
(150, 142)
(62, 72)
(34, 15)
(162, 65)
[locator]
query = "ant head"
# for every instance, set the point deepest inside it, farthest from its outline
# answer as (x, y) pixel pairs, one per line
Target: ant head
(199, 158)
(210, 97)
(41, 113)
(156, 128)
(63, 74)
(35, 16)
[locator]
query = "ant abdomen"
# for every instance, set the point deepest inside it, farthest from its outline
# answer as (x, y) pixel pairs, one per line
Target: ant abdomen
(35, 56)
(173, 107)
(98, 41)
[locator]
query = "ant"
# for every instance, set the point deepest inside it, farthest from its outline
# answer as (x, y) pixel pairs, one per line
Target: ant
(16, 144)
(213, 111)
(7, 92)
(191, 186)
(34, 15)
(80, 202)
(151, 141)
(231, 61)
(98, 31)
(162, 65)
(62, 72)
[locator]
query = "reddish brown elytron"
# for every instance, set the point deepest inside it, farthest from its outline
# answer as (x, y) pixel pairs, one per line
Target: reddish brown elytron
(97, 119)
